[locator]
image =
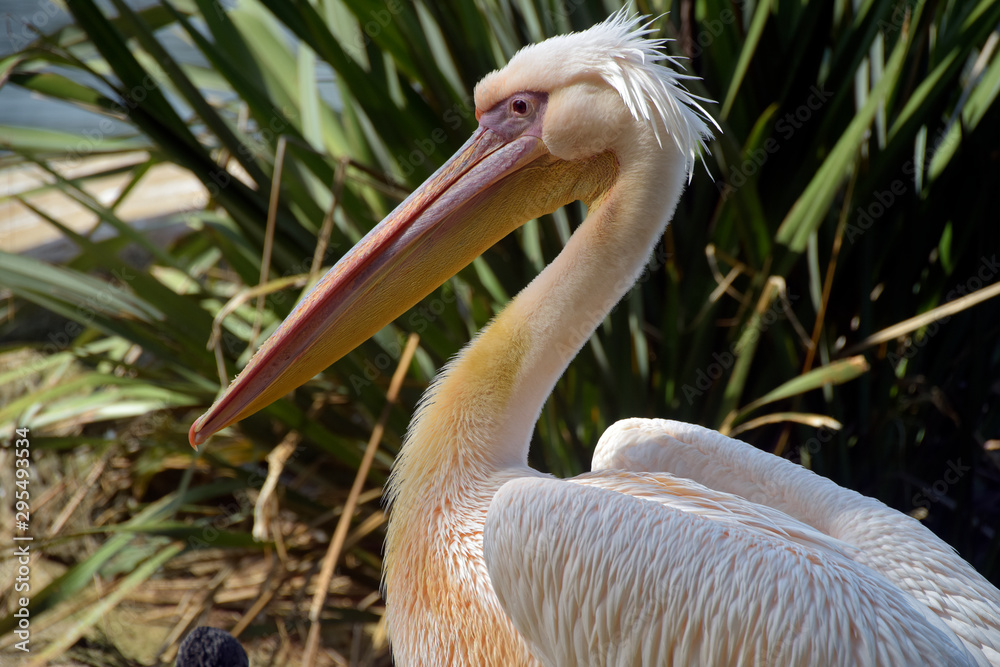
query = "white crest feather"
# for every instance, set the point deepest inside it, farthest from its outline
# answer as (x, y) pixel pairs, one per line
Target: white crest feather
(622, 53)
(650, 90)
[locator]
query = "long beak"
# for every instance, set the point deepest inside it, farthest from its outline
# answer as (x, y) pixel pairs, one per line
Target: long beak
(445, 224)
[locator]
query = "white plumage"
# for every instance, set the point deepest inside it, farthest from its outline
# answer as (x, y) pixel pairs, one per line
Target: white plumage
(602, 576)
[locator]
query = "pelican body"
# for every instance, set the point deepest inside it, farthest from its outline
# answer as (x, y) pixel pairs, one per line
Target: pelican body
(682, 546)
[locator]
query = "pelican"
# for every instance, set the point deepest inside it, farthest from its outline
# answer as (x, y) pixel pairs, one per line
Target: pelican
(682, 546)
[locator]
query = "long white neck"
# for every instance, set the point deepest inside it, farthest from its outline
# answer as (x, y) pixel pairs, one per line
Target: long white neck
(480, 413)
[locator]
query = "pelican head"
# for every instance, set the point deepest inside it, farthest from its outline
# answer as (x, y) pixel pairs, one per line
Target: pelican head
(553, 127)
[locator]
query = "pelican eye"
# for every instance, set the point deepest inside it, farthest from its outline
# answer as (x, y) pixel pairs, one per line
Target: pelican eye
(517, 114)
(520, 106)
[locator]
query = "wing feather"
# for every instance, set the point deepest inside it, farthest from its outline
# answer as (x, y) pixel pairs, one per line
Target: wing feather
(594, 576)
(898, 546)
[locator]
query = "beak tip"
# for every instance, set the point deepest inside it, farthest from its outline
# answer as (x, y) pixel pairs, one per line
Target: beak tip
(195, 436)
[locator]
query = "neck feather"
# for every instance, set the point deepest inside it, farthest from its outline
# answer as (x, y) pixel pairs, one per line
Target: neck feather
(480, 412)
